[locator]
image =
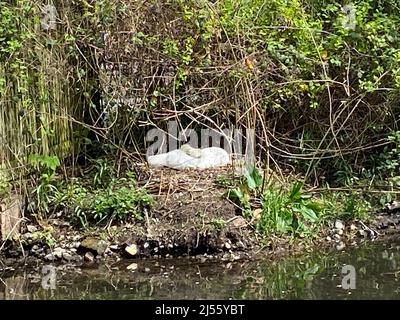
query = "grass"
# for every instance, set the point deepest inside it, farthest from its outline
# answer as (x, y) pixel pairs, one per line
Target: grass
(120, 201)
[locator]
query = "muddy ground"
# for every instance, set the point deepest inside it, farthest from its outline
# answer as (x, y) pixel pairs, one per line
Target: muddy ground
(191, 216)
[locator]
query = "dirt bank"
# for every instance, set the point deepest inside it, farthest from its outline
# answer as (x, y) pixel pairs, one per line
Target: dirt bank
(191, 216)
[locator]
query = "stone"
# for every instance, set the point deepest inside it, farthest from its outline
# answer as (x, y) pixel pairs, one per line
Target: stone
(228, 245)
(58, 252)
(31, 228)
(67, 256)
(340, 246)
(94, 244)
(50, 257)
(394, 206)
(132, 250)
(89, 257)
(114, 247)
(339, 225)
(132, 266)
(353, 227)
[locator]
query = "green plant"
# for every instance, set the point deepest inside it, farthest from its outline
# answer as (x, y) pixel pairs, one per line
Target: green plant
(119, 201)
(287, 212)
(46, 167)
(104, 173)
(4, 182)
(348, 206)
(249, 187)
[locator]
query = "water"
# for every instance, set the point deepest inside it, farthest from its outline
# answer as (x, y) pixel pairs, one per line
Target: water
(315, 275)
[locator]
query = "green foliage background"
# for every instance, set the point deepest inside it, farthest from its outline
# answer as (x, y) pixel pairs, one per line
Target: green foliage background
(322, 95)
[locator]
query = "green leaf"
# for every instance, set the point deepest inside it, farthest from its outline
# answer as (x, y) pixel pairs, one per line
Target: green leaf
(254, 179)
(307, 213)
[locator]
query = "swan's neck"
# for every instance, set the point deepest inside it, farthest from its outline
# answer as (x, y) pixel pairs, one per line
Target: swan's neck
(193, 152)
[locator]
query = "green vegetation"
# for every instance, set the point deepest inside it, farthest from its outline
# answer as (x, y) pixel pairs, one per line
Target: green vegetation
(120, 200)
(320, 86)
(287, 209)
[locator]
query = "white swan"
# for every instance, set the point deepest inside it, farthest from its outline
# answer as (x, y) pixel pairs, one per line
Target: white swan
(189, 157)
(208, 157)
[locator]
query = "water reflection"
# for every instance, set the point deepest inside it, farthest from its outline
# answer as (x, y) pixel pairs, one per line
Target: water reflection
(312, 276)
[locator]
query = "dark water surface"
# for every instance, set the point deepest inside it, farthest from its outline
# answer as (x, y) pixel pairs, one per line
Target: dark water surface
(311, 276)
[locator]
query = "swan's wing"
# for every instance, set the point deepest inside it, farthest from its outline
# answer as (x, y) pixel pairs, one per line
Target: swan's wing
(213, 157)
(158, 160)
(178, 159)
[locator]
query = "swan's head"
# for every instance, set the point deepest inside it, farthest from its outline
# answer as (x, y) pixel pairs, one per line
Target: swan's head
(189, 150)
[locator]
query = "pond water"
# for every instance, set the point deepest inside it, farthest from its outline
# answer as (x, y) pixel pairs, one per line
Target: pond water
(316, 275)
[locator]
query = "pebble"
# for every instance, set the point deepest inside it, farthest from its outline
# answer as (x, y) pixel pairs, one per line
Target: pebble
(132, 266)
(340, 246)
(67, 256)
(353, 227)
(31, 228)
(339, 225)
(114, 247)
(89, 257)
(132, 250)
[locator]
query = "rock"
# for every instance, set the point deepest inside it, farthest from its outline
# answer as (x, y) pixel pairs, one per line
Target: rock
(58, 252)
(337, 237)
(393, 206)
(328, 238)
(146, 269)
(114, 247)
(50, 257)
(67, 256)
(94, 244)
(339, 225)
(340, 232)
(132, 250)
(239, 222)
(353, 227)
(89, 257)
(340, 246)
(132, 266)
(31, 228)
(228, 245)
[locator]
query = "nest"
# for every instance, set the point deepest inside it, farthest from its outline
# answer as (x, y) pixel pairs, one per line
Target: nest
(186, 192)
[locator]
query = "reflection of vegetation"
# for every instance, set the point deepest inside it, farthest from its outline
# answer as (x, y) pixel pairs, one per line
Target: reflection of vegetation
(312, 276)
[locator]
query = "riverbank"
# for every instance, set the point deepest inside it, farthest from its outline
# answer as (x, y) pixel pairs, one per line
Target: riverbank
(191, 214)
